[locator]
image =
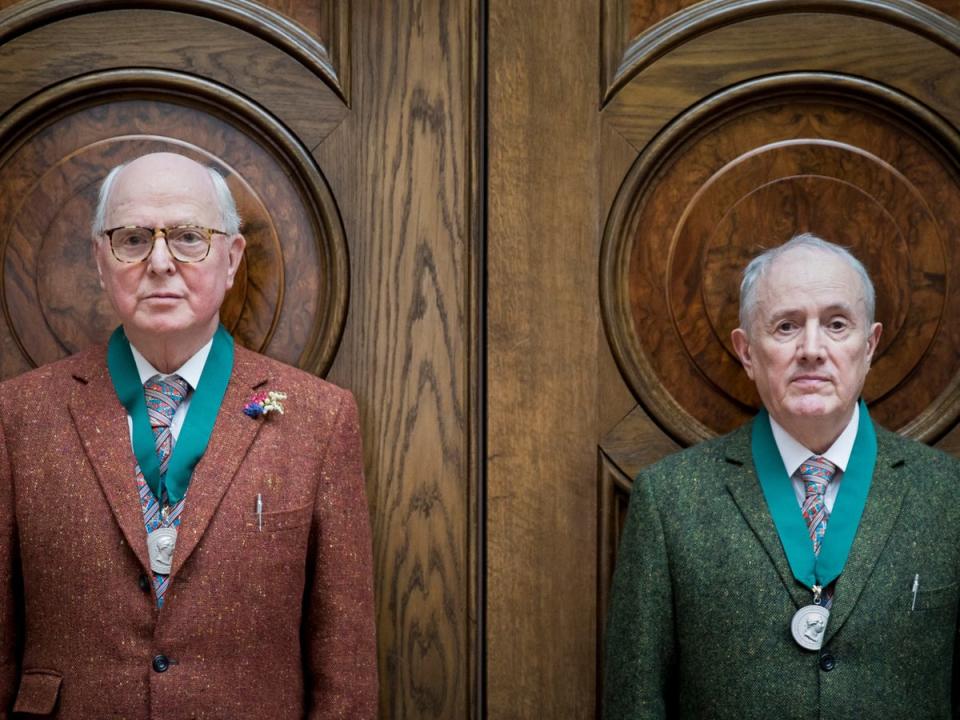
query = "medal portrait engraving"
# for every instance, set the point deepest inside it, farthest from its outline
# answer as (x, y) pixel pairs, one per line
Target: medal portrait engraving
(809, 625)
(160, 544)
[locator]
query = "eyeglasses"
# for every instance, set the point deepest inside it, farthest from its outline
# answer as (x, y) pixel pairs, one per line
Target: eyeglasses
(186, 243)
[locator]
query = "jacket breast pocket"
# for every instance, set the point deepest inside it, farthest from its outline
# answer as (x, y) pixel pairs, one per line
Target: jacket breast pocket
(38, 693)
(934, 598)
(277, 520)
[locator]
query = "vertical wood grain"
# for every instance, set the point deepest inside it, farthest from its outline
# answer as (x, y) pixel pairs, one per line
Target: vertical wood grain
(543, 329)
(400, 166)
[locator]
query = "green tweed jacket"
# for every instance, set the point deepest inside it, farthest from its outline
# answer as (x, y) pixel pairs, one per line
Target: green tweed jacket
(703, 595)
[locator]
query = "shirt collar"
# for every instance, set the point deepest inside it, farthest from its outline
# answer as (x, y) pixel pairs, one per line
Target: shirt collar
(794, 453)
(189, 371)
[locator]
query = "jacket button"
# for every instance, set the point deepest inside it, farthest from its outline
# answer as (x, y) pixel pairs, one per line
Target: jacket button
(827, 662)
(161, 663)
(144, 583)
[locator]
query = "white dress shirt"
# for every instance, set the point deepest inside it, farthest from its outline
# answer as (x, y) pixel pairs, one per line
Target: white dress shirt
(189, 371)
(795, 454)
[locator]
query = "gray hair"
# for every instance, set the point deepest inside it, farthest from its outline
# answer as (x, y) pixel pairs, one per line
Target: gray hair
(229, 217)
(759, 266)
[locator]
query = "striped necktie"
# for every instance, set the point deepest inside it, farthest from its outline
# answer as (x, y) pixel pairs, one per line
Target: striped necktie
(163, 397)
(816, 473)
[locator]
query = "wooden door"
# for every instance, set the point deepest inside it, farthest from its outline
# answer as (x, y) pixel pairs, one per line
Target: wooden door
(639, 154)
(350, 134)
(636, 153)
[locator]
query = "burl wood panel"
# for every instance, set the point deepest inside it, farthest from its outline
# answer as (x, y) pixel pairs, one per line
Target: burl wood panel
(639, 15)
(948, 7)
(314, 15)
(845, 168)
(402, 167)
(50, 293)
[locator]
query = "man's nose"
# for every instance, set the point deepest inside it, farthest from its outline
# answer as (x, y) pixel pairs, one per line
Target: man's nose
(160, 260)
(811, 341)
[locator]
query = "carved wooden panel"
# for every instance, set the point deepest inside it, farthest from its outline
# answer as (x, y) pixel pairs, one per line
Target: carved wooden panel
(329, 22)
(290, 297)
(752, 122)
(239, 44)
(613, 500)
(715, 43)
(627, 21)
(625, 450)
(855, 163)
(263, 93)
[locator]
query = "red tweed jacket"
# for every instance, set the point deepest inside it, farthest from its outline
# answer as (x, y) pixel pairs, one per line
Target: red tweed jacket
(271, 623)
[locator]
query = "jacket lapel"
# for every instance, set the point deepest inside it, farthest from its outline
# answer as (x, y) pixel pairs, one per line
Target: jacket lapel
(101, 423)
(233, 434)
(887, 492)
(744, 486)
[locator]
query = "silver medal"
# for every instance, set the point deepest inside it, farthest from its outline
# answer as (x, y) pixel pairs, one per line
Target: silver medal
(160, 544)
(809, 625)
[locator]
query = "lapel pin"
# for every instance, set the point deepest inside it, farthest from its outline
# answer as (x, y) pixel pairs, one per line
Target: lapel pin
(264, 402)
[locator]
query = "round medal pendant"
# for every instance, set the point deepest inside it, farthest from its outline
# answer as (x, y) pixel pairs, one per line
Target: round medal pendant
(160, 545)
(809, 625)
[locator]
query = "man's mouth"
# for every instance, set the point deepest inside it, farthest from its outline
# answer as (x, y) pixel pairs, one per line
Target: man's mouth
(810, 380)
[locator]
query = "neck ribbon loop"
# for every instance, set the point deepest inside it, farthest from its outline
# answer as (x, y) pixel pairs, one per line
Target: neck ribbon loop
(195, 433)
(807, 568)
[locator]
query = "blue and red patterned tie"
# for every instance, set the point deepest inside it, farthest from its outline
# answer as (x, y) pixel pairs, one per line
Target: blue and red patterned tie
(816, 473)
(163, 397)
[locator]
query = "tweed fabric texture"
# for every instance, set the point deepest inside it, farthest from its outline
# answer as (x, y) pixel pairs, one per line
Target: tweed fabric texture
(275, 623)
(703, 596)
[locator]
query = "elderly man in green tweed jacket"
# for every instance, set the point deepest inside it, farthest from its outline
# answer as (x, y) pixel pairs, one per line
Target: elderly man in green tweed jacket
(806, 565)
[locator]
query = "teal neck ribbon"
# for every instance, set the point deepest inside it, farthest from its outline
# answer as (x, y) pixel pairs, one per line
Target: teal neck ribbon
(815, 570)
(196, 430)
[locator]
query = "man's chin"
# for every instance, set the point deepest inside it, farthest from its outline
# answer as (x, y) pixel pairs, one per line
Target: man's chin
(166, 325)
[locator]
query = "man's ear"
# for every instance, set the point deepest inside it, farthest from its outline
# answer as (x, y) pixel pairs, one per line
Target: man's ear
(873, 340)
(741, 343)
(235, 245)
(95, 245)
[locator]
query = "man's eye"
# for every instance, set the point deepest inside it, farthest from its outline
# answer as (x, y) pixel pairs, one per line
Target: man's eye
(837, 325)
(785, 327)
(189, 237)
(135, 239)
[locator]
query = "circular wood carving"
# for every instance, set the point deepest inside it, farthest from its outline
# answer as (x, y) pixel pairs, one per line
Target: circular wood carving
(289, 300)
(856, 163)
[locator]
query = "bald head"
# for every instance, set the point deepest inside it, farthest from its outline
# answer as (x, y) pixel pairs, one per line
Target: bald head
(160, 176)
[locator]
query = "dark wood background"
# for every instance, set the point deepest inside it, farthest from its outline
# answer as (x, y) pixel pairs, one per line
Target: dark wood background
(351, 134)
(513, 229)
(638, 156)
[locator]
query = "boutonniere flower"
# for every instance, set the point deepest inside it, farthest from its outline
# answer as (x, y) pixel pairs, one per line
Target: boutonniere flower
(264, 402)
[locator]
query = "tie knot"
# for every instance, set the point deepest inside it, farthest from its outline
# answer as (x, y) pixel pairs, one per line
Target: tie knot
(163, 396)
(816, 472)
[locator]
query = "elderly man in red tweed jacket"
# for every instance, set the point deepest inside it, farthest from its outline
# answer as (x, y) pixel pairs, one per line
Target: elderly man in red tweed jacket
(183, 526)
